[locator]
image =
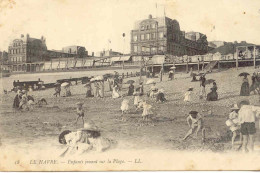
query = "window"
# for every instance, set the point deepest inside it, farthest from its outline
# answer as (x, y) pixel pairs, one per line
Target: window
(147, 27)
(161, 35)
(143, 49)
(142, 36)
(135, 49)
(153, 36)
(147, 36)
(153, 25)
(161, 48)
(142, 28)
(135, 37)
(154, 49)
(147, 49)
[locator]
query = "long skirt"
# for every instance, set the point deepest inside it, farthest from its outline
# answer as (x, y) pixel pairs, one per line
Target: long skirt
(212, 96)
(245, 89)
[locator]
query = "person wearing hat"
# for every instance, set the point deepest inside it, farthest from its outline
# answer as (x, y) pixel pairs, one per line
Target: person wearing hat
(187, 95)
(245, 87)
(247, 117)
(213, 95)
(88, 93)
(80, 112)
(153, 90)
(234, 125)
(83, 140)
(203, 86)
(171, 75)
(17, 99)
(195, 124)
(131, 89)
(141, 86)
(57, 89)
(23, 101)
(160, 96)
(137, 97)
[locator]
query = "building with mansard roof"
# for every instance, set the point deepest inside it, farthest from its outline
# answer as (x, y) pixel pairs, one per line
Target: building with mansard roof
(154, 36)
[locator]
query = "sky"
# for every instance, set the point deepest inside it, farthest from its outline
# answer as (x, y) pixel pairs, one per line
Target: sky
(91, 23)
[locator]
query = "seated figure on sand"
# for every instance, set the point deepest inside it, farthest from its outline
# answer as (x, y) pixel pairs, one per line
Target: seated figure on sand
(83, 140)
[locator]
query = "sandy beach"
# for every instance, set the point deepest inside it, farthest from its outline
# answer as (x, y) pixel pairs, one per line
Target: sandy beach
(40, 127)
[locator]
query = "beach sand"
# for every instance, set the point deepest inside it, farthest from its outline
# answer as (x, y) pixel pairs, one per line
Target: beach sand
(40, 127)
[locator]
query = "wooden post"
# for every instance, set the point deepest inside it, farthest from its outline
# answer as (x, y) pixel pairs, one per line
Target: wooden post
(203, 65)
(237, 58)
(187, 66)
(254, 57)
(161, 73)
(218, 65)
(198, 66)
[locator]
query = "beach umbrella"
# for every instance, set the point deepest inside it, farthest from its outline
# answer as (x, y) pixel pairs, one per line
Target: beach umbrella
(150, 81)
(209, 81)
(244, 74)
(92, 80)
(99, 78)
(64, 84)
(173, 68)
(57, 83)
(130, 81)
(201, 74)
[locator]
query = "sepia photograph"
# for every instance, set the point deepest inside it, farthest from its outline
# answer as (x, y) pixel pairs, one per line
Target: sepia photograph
(129, 85)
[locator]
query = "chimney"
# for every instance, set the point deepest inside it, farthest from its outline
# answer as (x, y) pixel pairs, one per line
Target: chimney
(28, 35)
(150, 16)
(92, 53)
(22, 35)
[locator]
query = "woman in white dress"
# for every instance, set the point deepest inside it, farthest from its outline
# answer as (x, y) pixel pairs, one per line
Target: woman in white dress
(115, 93)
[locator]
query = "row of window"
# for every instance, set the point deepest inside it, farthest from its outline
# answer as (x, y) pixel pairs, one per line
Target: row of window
(17, 51)
(22, 50)
(148, 26)
(17, 59)
(148, 36)
(17, 44)
(148, 49)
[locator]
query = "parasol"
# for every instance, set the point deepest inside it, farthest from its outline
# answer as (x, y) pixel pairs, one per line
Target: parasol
(92, 80)
(64, 84)
(173, 68)
(130, 81)
(209, 81)
(201, 74)
(150, 81)
(99, 78)
(244, 74)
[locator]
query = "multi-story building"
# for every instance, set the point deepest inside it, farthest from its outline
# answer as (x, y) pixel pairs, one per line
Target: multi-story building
(163, 36)
(23, 53)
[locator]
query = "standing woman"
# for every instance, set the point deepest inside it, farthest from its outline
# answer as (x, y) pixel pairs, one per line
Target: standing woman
(254, 85)
(245, 87)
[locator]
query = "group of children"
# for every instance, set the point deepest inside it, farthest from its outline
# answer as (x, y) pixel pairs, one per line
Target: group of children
(242, 120)
(24, 101)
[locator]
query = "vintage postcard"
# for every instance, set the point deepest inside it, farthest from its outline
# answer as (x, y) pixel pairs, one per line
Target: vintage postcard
(129, 85)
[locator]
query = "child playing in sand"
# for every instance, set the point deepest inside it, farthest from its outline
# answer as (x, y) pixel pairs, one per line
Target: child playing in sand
(233, 123)
(124, 106)
(80, 112)
(195, 123)
(187, 95)
(146, 111)
(137, 97)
